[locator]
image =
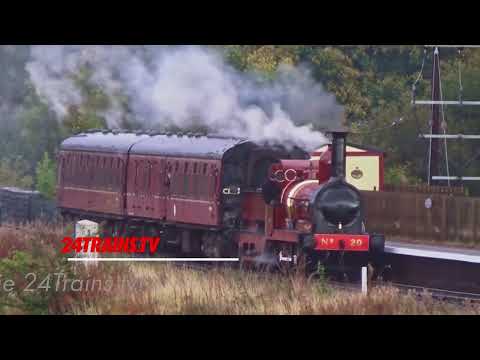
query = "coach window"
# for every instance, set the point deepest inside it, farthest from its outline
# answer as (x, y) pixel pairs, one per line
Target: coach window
(85, 174)
(176, 185)
(110, 174)
(121, 173)
(148, 179)
(212, 180)
(185, 180)
(91, 170)
(144, 176)
(118, 173)
(64, 174)
(78, 170)
(104, 174)
(63, 178)
(205, 181)
(81, 171)
(116, 178)
(71, 170)
(113, 178)
(178, 177)
(88, 171)
(107, 173)
(61, 174)
(171, 173)
(136, 174)
(193, 181)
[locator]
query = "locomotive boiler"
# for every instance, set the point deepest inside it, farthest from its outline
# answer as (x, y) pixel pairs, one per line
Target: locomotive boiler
(219, 196)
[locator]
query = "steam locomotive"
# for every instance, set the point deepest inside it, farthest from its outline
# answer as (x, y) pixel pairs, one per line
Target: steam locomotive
(219, 197)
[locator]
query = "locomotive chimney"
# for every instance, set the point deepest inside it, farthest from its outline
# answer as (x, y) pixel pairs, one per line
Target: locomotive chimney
(339, 149)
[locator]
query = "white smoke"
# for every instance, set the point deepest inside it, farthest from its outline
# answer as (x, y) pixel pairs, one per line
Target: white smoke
(187, 86)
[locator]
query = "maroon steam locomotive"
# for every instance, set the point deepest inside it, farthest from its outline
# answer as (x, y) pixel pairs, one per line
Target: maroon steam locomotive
(219, 197)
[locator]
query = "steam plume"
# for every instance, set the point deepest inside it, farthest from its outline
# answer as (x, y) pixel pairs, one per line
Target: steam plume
(187, 86)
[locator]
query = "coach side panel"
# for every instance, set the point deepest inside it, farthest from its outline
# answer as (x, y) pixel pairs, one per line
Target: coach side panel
(194, 194)
(174, 190)
(93, 182)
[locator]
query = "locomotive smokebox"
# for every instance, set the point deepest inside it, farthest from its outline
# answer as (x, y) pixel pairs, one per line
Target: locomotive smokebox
(339, 149)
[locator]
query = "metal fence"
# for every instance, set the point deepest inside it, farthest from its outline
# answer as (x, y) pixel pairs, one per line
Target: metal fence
(423, 217)
(23, 206)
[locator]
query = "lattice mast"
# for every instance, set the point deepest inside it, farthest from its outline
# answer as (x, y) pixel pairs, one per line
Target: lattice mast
(438, 118)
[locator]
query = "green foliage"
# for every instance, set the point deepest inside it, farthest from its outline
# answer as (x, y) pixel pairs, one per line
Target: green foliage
(400, 175)
(35, 276)
(13, 172)
(46, 176)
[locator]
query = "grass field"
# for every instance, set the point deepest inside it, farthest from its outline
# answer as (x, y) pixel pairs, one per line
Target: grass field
(166, 289)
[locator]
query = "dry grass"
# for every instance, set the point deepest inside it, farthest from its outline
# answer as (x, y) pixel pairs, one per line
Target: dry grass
(29, 238)
(167, 289)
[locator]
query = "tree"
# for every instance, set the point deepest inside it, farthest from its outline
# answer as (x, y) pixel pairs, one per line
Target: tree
(46, 177)
(13, 172)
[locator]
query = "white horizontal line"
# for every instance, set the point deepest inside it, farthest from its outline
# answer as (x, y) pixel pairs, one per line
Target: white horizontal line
(445, 102)
(154, 260)
(432, 254)
(454, 46)
(459, 136)
(463, 178)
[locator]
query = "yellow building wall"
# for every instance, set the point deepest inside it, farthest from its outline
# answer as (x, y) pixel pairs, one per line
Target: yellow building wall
(366, 170)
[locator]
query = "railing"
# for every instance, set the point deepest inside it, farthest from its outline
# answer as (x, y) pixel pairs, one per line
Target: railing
(425, 189)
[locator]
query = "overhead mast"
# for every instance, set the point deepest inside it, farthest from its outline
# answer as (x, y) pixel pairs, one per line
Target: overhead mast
(437, 104)
(434, 165)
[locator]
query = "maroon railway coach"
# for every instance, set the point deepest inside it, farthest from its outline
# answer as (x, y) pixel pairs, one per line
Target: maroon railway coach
(216, 196)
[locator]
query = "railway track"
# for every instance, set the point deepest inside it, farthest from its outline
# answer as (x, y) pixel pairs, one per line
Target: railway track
(456, 297)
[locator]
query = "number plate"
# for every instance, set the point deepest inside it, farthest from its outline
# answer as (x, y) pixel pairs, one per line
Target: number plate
(334, 242)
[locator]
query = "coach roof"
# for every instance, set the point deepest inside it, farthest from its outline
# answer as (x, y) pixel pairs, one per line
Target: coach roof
(102, 142)
(199, 146)
(196, 146)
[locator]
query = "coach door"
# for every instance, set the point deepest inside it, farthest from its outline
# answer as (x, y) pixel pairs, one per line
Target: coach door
(140, 201)
(161, 186)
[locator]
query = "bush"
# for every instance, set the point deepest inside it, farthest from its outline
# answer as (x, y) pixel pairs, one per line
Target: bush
(13, 172)
(400, 175)
(31, 259)
(46, 177)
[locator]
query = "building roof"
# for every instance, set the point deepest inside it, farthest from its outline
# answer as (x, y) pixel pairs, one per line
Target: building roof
(354, 148)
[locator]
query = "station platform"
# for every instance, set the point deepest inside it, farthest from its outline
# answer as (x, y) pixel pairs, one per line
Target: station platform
(433, 251)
